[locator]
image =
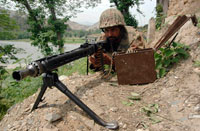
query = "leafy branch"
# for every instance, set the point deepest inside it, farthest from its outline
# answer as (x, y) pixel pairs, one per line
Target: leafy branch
(168, 56)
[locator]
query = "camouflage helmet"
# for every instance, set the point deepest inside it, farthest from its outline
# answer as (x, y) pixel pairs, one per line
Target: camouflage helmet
(111, 17)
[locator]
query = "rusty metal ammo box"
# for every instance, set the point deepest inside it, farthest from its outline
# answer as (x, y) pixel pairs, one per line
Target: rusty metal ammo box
(139, 67)
(136, 68)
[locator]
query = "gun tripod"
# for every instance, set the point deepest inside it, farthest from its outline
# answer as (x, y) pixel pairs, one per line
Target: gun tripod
(51, 79)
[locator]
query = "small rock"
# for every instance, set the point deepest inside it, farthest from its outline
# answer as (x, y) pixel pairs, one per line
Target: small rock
(192, 116)
(84, 96)
(73, 82)
(31, 106)
(197, 108)
(102, 84)
(62, 77)
(89, 123)
(50, 127)
(114, 109)
(90, 93)
(124, 126)
(30, 121)
(9, 126)
(23, 124)
(174, 103)
(139, 130)
(119, 118)
(120, 124)
(51, 117)
(27, 109)
(197, 70)
(80, 128)
(142, 130)
(183, 119)
(73, 117)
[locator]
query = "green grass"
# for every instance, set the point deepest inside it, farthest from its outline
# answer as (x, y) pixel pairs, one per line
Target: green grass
(68, 40)
(21, 40)
(79, 66)
(196, 63)
(17, 91)
(13, 92)
(73, 40)
(198, 25)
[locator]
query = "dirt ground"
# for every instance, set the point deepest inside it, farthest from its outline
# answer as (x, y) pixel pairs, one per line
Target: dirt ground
(176, 96)
(171, 103)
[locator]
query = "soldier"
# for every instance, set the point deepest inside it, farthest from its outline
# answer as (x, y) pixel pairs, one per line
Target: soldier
(121, 38)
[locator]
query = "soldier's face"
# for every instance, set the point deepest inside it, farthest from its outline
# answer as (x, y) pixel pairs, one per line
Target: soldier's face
(112, 33)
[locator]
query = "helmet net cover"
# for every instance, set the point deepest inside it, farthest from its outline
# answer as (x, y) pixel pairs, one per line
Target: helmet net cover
(111, 17)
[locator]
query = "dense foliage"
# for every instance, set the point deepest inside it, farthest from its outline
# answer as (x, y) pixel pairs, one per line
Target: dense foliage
(159, 16)
(6, 53)
(166, 57)
(124, 6)
(8, 26)
(47, 20)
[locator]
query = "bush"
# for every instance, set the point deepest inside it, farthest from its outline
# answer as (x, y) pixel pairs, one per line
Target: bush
(23, 35)
(14, 92)
(167, 57)
(159, 16)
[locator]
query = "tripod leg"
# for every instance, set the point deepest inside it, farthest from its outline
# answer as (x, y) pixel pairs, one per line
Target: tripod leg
(97, 119)
(39, 98)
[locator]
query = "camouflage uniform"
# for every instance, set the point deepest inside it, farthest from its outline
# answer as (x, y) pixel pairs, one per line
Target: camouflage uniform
(131, 39)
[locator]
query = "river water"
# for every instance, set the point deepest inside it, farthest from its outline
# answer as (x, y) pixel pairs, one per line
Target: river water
(32, 52)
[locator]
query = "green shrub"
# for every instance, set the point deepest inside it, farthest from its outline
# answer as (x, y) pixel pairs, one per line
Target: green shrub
(14, 92)
(167, 57)
(159, 16)
(198, 24)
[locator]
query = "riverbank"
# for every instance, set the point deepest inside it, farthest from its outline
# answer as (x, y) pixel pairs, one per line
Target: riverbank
(68, 40)
(30, 53)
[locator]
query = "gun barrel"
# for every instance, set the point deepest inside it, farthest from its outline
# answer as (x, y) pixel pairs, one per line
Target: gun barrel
(31, 70)
(19, 75)
(50, 63)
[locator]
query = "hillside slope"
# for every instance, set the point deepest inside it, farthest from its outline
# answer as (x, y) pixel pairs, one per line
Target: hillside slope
(177, 95)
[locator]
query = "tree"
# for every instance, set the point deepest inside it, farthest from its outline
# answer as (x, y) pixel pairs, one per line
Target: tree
(7, 25)
(124, 6)
(47, 20)
(159, 16)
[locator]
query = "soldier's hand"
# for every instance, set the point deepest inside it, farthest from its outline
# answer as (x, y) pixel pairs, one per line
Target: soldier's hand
(106, 59)
(95, 60)
(131, 49)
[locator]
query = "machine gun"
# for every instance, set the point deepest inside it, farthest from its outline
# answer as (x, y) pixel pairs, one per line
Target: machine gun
(46, 65)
